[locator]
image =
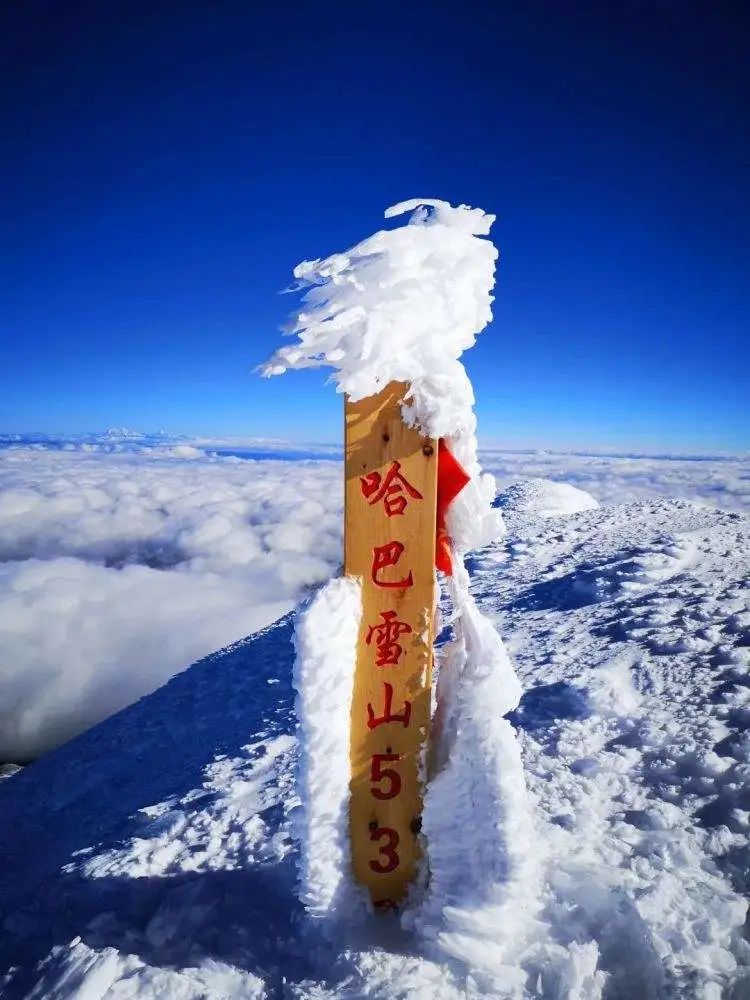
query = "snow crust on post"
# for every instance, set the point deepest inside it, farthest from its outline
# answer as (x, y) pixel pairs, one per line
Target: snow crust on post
(325, 640)
(403, 305)
(481, 896)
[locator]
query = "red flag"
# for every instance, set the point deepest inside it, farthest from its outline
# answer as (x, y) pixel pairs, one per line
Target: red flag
(451, 479)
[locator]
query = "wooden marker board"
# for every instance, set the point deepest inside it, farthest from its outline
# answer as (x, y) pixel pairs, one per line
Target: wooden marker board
(390, 512)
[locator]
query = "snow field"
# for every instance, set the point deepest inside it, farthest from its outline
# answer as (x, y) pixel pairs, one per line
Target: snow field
(634, 752)
(630, 669)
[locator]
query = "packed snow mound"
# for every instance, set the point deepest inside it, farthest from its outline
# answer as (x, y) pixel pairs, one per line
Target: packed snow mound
(533, 498)
(156, 854)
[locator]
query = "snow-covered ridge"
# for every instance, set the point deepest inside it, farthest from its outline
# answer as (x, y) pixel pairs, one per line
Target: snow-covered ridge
(156, 851)
(541, 498)
(720, 480)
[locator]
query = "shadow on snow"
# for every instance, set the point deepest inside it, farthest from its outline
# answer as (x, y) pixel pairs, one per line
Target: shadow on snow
(87, 793)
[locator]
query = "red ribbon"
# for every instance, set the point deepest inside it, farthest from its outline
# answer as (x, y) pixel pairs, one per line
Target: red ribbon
(451, 479)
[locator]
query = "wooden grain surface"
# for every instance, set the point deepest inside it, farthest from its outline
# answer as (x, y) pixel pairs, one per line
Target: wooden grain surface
(375, 438)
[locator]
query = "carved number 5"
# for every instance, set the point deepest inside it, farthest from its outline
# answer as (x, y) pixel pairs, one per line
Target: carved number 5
(378, 773)
(388, 851)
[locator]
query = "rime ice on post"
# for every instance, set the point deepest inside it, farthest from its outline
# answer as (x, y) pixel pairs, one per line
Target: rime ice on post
(391, 317)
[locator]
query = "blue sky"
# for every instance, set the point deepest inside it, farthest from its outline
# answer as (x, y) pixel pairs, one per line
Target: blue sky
(166, 165)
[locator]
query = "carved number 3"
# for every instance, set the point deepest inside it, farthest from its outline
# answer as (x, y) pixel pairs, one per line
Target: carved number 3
(387, 851)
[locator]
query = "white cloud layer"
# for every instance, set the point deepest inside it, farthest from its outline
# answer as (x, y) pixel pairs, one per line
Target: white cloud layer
(120, 564)
(721, 481)
(117, 570)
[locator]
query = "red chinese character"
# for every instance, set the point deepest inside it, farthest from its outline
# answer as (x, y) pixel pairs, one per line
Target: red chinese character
(386, 633)
(388, 555)
(373, 722)
(391, 489)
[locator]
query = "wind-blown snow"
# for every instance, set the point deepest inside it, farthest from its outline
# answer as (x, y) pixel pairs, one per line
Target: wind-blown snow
(402, 306)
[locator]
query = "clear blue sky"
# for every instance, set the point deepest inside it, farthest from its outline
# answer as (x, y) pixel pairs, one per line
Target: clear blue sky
(166, 164)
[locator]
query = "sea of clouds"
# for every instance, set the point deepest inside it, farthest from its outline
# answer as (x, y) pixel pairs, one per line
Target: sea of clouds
(122, 561)
(119, 569)
(719, 480)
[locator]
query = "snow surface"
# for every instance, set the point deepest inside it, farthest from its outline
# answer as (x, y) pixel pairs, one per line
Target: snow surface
(155, 855)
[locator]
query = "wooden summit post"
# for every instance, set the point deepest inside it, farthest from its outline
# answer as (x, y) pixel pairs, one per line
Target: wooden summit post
(390, 514)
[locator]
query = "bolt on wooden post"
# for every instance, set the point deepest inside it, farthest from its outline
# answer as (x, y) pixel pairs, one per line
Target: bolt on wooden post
(390, 512)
